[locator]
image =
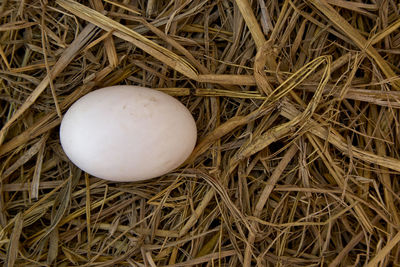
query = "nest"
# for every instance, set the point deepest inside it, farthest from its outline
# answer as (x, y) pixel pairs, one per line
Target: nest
(297, 108)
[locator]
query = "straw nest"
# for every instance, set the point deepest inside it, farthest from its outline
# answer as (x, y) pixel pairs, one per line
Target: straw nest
(297, 106)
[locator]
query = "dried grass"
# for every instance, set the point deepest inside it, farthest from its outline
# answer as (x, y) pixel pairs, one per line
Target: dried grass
(297, 107)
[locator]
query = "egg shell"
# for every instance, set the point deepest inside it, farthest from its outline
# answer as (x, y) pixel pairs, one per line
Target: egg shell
(127, 133)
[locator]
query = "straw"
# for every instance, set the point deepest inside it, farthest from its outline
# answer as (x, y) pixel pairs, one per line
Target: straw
(297, 109)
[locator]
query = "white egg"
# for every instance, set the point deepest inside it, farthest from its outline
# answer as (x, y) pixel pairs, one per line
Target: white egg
(127, 133)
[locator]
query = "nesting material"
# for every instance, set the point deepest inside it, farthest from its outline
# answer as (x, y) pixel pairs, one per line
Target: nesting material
(297, 109)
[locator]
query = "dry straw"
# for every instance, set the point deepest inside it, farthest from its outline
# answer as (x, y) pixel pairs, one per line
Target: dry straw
(297, 105)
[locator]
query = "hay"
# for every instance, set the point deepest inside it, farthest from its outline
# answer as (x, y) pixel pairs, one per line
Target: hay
(297, 107)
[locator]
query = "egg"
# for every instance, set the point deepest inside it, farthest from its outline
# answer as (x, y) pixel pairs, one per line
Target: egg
(127, 133)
